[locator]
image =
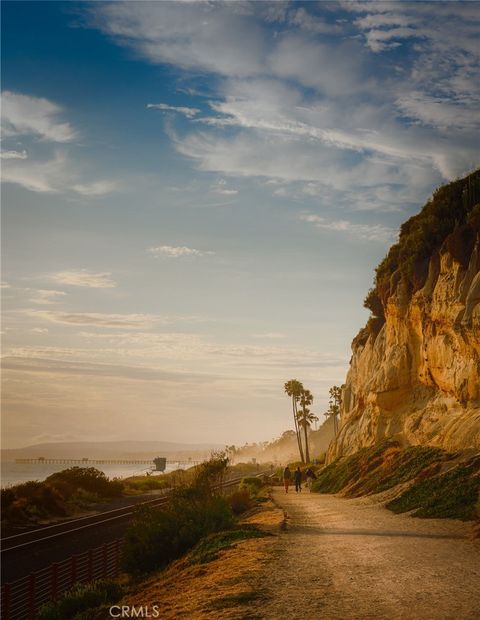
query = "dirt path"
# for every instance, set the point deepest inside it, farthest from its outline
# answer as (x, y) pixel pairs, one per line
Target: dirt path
(342, 559)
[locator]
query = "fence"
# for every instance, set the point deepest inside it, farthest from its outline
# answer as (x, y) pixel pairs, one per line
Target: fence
(23, 598)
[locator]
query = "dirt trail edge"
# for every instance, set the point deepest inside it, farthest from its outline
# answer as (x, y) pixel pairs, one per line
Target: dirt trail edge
(342, 558)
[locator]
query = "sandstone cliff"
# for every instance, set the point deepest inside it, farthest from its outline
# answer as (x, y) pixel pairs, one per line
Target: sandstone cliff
(415, 370)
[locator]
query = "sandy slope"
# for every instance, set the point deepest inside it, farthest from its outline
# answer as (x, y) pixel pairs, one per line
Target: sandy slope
(342, 559)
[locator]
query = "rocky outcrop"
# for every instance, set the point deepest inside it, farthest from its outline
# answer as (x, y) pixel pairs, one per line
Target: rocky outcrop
(415, 370)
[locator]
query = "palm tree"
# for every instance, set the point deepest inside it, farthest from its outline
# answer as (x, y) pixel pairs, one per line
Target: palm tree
(293, 388)
(306, 419)
(335, 404)
(306, 399)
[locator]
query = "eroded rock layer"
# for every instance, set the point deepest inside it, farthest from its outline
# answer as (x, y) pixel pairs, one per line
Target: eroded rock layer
(415, 370)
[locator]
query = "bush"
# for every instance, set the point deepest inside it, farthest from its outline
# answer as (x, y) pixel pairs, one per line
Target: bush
(82, 598)
(7, 498)
(86, 478)
(155, 538)
(37, 499)
(240, 501)
(252, 485)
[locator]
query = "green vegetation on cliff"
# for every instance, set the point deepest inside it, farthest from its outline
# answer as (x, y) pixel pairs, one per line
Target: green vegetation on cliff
(440, 484)
(451, 220)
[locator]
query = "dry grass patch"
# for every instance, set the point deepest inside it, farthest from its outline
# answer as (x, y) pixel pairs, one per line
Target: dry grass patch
(225, 587)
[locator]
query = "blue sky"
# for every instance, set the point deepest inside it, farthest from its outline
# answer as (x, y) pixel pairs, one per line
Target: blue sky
(195, 196)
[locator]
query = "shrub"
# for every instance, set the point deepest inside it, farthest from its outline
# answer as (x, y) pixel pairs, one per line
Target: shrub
(157, 537)
(240, 501)
(7, 498)
(88, 479)
(252, 485)
(82, 598)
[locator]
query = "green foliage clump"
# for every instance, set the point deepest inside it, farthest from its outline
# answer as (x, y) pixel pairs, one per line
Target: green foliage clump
(451, 217)
(395, 466)
(81, 601)
(252, 484)
(156, 537)
(31, 500)
(347, 470)
(207, 549)
(57, 495)
(143, 484)
(453, 494)
(88, 479)
(240, 501)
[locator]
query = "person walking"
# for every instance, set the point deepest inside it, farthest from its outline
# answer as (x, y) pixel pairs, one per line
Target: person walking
(287, 476)
(298, 480)
(310, 475)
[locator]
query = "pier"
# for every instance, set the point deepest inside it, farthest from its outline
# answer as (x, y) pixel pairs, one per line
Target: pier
(86, 461)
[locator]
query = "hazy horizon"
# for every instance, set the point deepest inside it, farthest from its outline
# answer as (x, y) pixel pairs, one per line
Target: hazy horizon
(196, 195)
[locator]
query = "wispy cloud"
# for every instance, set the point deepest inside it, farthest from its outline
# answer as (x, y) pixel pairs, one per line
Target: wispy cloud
(368, 232)
(24, 114)
(170, 251)
(56, 174)
(83, 277)
(46, 297)
(270, 336)
(220, 187)
(14, 154)
(97, 319)
(188, 112)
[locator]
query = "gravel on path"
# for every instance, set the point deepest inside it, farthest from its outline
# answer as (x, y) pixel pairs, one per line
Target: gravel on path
(340, 559)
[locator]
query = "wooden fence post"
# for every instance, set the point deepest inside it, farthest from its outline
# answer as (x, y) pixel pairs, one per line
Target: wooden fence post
(31, 596)
(117, 556)
(90, 565)
(105, 560)
(73, 570)
(6, 601)
(54, 581)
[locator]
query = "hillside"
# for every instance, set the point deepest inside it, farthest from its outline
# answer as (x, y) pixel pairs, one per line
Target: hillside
(415, 369)
(110, 449)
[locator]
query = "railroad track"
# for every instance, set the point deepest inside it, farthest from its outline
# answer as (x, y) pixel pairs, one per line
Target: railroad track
(50, 532)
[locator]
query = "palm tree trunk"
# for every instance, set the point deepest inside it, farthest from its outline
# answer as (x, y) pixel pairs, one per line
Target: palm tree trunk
(307, 454)
(297, 430)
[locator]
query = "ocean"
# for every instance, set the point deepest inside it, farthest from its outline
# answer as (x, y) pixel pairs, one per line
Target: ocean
(16, 473)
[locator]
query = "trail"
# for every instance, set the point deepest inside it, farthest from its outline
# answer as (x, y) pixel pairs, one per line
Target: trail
(342, 559)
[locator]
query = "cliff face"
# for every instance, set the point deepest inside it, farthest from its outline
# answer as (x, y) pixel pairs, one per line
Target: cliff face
(415, 370)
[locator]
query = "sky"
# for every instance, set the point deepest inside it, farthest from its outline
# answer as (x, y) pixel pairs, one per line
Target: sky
(195, 196)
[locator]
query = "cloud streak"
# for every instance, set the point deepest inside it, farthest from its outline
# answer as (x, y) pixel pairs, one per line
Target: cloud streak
(24, 115)
(85, 278)
(97, 319)
(368, 232)
(188, 112)
(170, 251)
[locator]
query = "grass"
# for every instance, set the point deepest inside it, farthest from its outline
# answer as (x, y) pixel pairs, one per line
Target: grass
(207, 549)
(453, 494)
(81, 601)
(347, 470)
(432, 493)
(233, 600)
